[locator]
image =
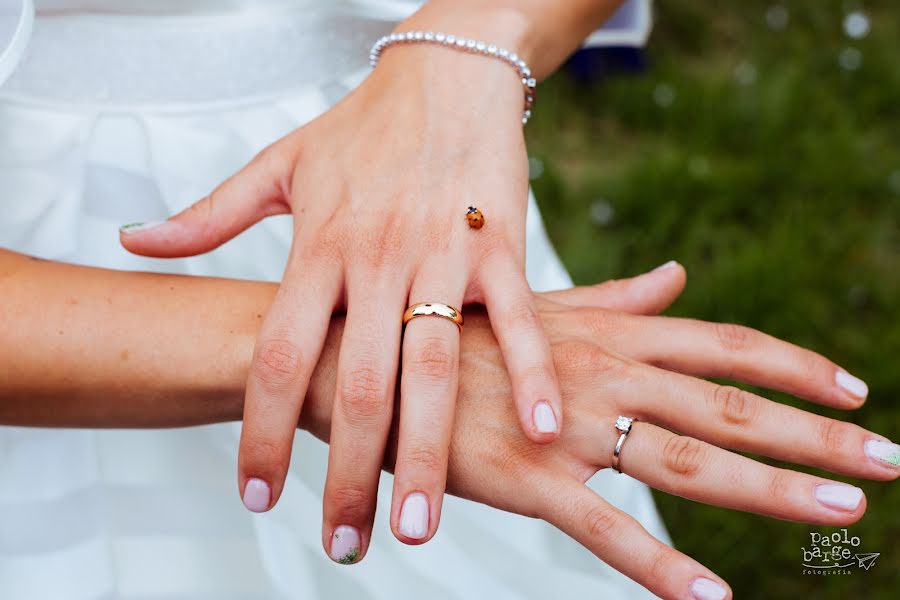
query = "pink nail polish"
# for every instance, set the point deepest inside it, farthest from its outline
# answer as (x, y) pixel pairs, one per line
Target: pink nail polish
(850, 384)
(345, 545)
(414, 516)
(839, 496)
(543, 418)
(257, 495)
(707, 589)
(883, 451)
(668, 265)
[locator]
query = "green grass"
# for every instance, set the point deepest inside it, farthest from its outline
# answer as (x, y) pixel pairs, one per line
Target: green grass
(780, 195)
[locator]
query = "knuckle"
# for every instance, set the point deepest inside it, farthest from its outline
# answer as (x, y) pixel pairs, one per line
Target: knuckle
(662, 565)
(202, 211)
(777, 487)
(600, 522)
(278, 362)
(424, 457)
(432, 358)
(833, 435)
(521, 315)
(602, 323)
(348, 498)
(322, 248)
(384, 243)
(573, 358)
(734, 337)
(537, 375)
(363, 397)
(579, 359)
(683, 456)
(263, 454)
(271, 156)
(610, 365)
(810, 367)
(494, 247)
(735, 405)
(201, 214)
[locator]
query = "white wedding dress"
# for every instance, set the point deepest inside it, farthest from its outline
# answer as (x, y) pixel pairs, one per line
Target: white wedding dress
(129, 110)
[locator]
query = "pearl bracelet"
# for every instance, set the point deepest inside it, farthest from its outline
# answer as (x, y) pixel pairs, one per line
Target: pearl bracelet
(466, 45)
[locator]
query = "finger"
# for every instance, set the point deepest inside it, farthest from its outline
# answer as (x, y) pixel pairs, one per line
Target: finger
(428, 387)
(361, 417)
(287, 350)
(646, 294)
(732, 418)
(739, 353)
(617, 539)
(255, 192)
(526, 352)
(693, 469)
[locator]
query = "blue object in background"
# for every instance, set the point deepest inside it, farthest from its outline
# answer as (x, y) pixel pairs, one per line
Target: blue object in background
(590, 65)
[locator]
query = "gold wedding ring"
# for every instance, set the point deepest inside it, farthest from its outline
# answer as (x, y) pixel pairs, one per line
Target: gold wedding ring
(433, 309)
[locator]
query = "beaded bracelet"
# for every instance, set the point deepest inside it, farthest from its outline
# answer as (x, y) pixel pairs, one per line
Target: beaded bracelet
(467, 45)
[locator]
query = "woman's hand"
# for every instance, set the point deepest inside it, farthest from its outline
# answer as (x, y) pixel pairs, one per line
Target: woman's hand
(604, 357)
(612, 363)
(379, 188)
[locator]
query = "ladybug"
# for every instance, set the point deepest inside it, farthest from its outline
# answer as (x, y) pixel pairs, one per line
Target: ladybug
(476, 219)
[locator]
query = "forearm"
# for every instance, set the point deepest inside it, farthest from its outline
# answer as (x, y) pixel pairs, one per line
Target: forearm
(543, 32)
(92, 347)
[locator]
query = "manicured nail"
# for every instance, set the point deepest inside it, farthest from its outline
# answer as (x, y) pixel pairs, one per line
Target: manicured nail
(884, 451)
(668, 265)
(544, 419)
(257, 495)
(853, 385)
(137, 227)
(707, 589)
(839, 496)
(345, 545)
(414, 516)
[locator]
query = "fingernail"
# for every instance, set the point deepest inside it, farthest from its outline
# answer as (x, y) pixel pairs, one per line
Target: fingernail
(668, 265)
(839, 496)
(544, 419)
(137, 227)
(256, 495)
(345, 545)
(853, 385)
(414, 516)
(884, 451)
(707, 589)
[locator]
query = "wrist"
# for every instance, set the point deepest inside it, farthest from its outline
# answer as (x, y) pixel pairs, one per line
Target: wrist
(453, 82)
(506, 27)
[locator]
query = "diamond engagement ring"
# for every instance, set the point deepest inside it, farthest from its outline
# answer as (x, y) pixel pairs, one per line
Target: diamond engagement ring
(623, 424)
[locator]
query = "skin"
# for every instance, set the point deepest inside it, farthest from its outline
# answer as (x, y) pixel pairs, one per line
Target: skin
(76, 352)
(379, 187)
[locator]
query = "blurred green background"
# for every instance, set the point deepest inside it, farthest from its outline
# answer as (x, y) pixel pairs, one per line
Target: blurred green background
(761, 149)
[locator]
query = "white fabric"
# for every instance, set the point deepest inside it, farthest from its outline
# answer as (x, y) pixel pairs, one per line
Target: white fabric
(629, 26)
(16, 19)
(155, 514)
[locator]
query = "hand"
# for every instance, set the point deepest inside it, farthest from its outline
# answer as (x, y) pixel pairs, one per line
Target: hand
(489, 460)
(379, 188)
(612, 363)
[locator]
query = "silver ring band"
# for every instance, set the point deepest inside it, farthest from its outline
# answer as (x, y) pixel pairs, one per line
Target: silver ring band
(623, 425)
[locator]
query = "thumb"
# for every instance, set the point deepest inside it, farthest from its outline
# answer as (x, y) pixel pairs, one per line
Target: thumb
(255, 192)
(647, 294)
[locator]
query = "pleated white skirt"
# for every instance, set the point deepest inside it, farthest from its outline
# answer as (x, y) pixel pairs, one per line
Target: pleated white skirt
(100, 127)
